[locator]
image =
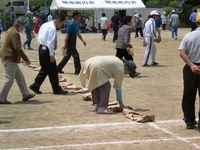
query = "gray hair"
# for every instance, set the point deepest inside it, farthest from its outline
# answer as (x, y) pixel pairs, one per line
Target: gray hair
(19, 21)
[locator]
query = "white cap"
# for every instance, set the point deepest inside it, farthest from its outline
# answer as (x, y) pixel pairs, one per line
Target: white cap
(173, 10)
(29, 12)
(136, 15)
(154, 12)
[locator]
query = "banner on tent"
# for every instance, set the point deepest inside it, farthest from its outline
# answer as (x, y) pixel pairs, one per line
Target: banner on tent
(70, 2)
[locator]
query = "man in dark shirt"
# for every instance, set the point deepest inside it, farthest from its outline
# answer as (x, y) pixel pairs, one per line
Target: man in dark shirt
(115, 20)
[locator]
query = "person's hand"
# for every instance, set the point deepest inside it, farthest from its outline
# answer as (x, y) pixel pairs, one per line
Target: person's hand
(84, 42)
(28, 63)
(52, 59)
(121, 104)
(64, 47)
(158, 40)
(130, 51)
(195, 69)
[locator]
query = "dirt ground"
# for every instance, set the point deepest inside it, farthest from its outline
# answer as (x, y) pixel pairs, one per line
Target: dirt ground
(68, 123)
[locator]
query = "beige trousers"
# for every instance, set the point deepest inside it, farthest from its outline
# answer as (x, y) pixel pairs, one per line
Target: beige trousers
(12, 71)
(159, 33)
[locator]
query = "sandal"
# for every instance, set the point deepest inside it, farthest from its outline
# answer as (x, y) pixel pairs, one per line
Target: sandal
(103, 110)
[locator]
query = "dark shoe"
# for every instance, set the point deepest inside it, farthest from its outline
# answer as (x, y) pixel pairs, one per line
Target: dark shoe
(34, 89)
(154, 64)
(25, 98)
(60, 71)
(77, 72)
(191, 125)
(136, 74)
(5, 102)
(29, 48)
(61, 92)
(146, 65)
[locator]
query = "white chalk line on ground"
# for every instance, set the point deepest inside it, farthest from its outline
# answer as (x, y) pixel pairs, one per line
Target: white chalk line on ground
(84, 126)
(103, 143)
(152, 124)
(174, 135)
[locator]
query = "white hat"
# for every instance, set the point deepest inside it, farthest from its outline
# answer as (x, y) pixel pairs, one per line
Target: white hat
(154, 12)
(29, 12)
(164, 13)
(136, 15)
(173, 10)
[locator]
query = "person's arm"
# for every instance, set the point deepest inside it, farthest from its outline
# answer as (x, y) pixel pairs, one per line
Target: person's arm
(195, 69)
(119, 98)
(16, 42)
(190, 18)
(81, 38)
(51, 43)
(66, 40)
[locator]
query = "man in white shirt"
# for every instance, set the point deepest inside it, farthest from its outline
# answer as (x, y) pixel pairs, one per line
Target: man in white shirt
(47, 41)
(104, 22)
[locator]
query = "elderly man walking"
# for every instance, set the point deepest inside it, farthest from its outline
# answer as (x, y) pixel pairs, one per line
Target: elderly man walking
(174, 22)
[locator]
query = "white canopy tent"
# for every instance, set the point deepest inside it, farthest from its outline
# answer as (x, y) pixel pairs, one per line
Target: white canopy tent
(96, 4)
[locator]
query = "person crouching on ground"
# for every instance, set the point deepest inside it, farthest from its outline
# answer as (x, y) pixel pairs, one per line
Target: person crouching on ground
(98, 70)
(11, 54)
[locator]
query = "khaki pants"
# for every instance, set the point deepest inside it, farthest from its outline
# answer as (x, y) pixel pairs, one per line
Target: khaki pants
(159, 33)
(12, 71)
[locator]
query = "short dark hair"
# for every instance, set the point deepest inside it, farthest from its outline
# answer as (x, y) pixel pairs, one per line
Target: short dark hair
(61, 17)
(195, 10)
(127, 19)
(103, 14)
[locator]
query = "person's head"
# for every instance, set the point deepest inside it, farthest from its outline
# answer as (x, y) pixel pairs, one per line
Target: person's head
(129, 67)
(116, 12)
(128, 20)
(198, 20)
(173, 11)
(154, 14)
(29, 14)
(77, 14)
(195, 10)
(59, 20)
(20, 23)
(103, 14)
(164, 13)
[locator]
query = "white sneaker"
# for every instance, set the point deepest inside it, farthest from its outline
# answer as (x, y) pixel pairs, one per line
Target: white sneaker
(176, 38)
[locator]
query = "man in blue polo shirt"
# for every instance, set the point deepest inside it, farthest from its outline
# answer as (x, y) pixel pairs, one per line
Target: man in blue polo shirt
(192, 18)
(72, 31)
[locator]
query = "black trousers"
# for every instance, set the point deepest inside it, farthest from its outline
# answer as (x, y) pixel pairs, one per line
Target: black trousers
(191, 84)
(115, 35)
(194, 26)
(71, 51)
(139, 30)
(47, 69)
(123, 53)
(104, 33)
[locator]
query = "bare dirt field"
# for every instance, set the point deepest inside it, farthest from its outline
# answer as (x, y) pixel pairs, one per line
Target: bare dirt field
(68, 123)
